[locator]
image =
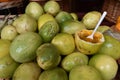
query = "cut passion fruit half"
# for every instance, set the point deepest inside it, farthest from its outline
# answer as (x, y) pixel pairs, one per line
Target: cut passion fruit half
(86, 45)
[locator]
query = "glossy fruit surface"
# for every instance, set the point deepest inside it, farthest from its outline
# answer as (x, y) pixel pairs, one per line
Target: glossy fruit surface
(106, 65)
(24, 46)
(34, 9)
(74, 59)
(54, 74)
(48, 56)
(64, 42)
(85, 72)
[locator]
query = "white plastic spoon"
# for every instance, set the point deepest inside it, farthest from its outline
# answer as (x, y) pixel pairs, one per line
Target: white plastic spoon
(98, 24)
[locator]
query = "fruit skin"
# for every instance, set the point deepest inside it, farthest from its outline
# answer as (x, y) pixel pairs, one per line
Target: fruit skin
(103, 28)
(48, 56)
(106, 65)
(74, 59)
(43, 19)
(85, 47)
(84, 72)
(9, 32)
(27, 71)
(74, 15)
(71, 26)
(63, 16)
(34, 9)
(91, 19)
(64, 42)
(54, 74)
(23, 47)
(110, 47)
(25, 23)
(7, 66)
(49, 30)
(4, 47)
(52, 7)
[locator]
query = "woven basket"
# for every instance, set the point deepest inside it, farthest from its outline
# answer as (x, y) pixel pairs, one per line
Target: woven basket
(113, 9)
(9, 4)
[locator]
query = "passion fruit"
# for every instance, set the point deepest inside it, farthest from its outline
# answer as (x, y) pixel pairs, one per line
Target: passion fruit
(63, 16)
(4, 47)
(27, 71)
(85, 72)
(25, 23)
(110, 47)
(34, 9)
(9, 32)
(49, 30)
(23, 47)
(64, 42)
(52, 7)
(105, 64)
(86, 45)
(74, 59)
(71, 26)
(91, 19)
(48, 56)
(54, 74)
(7, 66)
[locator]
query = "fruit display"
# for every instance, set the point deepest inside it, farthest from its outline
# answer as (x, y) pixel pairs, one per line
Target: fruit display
(47, 43)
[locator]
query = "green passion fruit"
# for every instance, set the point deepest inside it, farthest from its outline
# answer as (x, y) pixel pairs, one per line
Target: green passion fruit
(54, 74)
(4, 47)
(9, 32)
(86, 45)
(64, 42)
(27, 71)
(23, 47)
(110, 47)
(49, 30)
(25, 23)
(85, 72)
(74, 59)
(7, 66)
(48, 56)
(52, 7)
(91, 19)
(63, 16)
(105, 64)
(34, 9)
(71, 26)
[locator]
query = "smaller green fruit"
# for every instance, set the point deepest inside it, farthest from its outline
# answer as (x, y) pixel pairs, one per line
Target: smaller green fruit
(9, 32)
(91, 19)
(74, 15)
(63, 16)
(34, 9)
(103, 28)
(74, 59)
(52, 7)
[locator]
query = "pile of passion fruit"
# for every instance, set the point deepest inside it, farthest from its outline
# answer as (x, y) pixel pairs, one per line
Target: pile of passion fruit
(47, 43)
